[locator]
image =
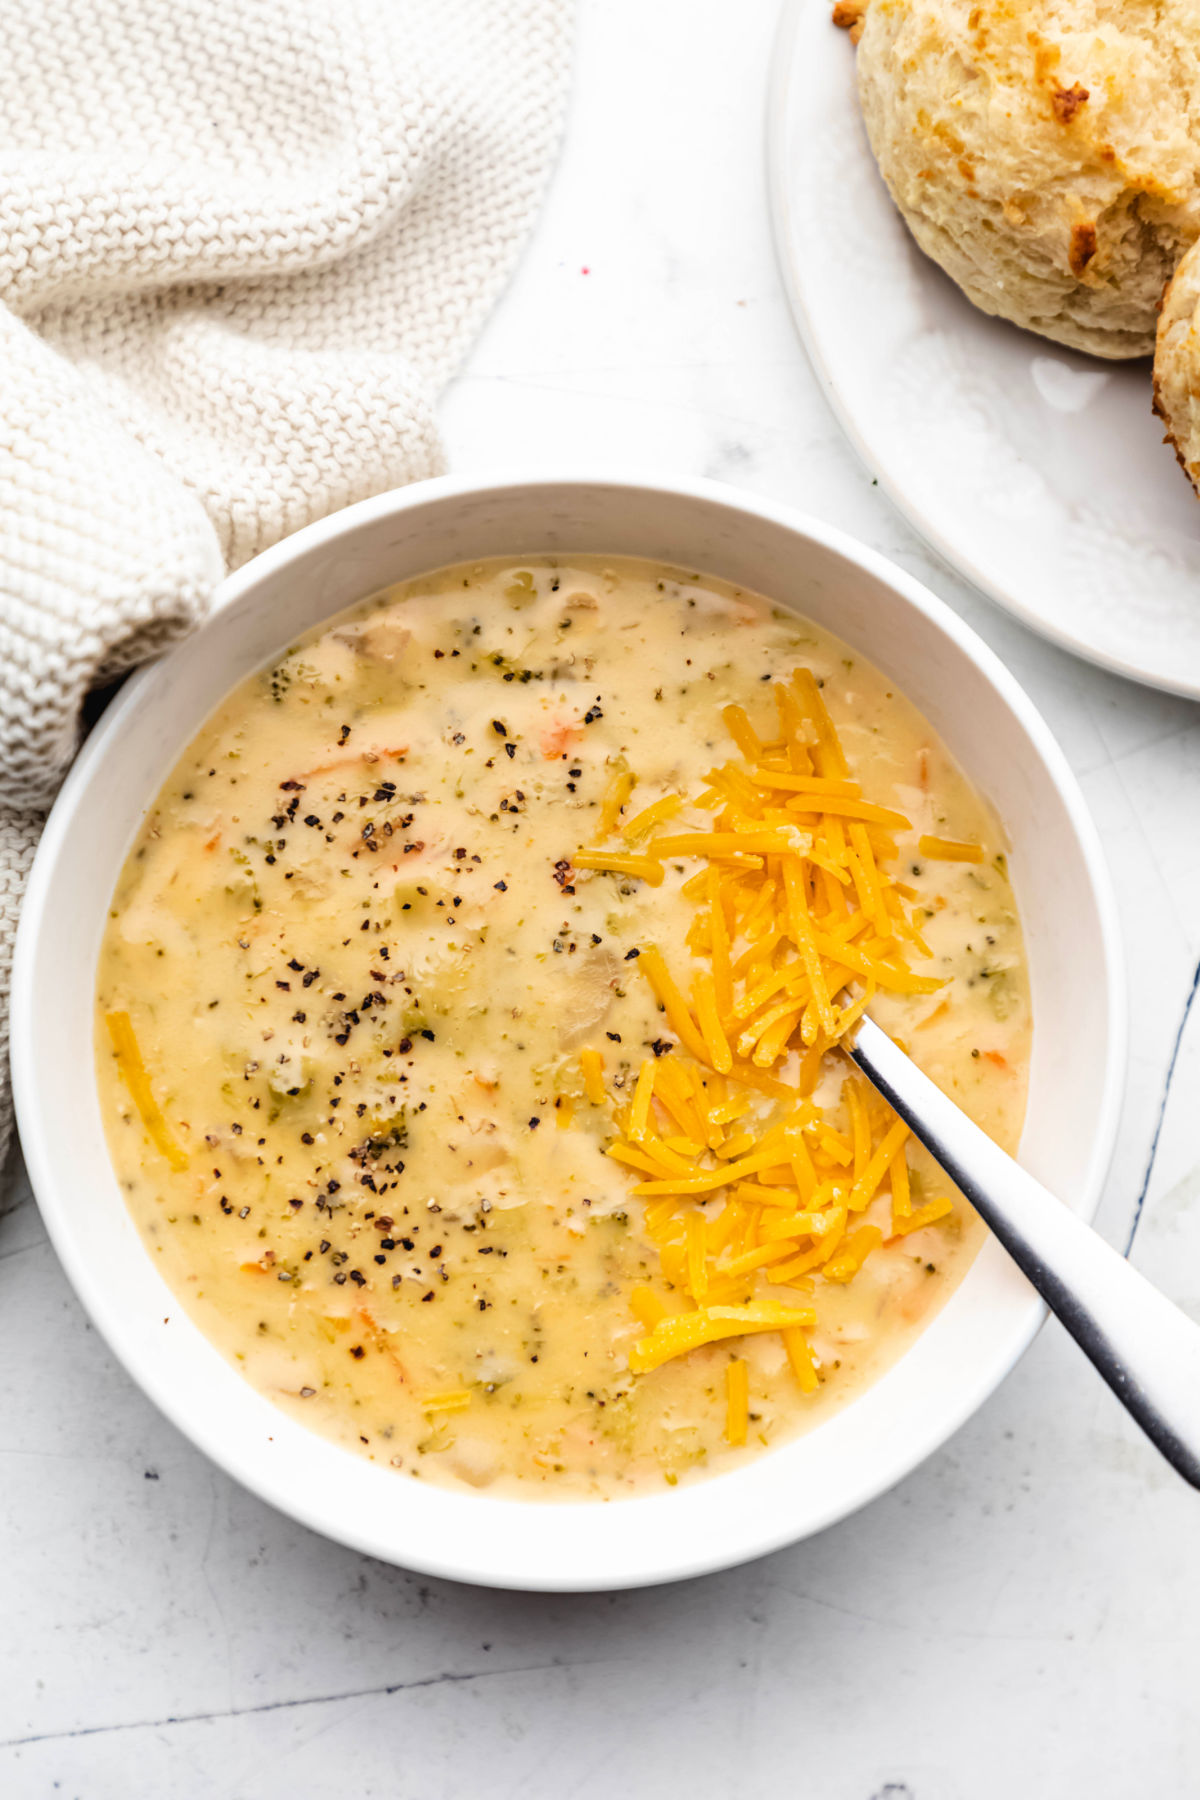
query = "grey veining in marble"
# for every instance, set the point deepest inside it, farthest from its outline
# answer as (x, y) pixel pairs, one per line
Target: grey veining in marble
(1019, 1617)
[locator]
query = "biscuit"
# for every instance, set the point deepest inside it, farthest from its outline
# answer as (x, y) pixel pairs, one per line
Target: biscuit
(1046, 155)
(1177, 365)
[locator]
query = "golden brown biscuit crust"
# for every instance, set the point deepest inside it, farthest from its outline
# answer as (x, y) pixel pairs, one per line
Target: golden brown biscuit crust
(1045, 152)
(1177, 366)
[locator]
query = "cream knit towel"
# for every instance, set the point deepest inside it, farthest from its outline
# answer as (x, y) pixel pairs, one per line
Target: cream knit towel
(242, 244)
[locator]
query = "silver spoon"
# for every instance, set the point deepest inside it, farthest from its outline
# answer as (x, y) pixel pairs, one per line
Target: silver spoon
(1145, 1348)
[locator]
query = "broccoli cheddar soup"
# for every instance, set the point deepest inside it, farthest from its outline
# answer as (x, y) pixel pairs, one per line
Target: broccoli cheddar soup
(469, 1012)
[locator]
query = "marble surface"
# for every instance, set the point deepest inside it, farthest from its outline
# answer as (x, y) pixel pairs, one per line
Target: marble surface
(1019, 1615)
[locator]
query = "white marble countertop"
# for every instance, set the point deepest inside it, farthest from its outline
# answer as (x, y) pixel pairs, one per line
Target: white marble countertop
(1016, 1617)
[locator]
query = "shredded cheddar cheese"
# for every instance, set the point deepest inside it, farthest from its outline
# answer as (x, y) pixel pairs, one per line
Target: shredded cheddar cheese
(643, 823)
(592, 1065)
(643, 868)
(619, 790)
(133, 1073)
(947, 850)
(751, 1189)
(737, 1390)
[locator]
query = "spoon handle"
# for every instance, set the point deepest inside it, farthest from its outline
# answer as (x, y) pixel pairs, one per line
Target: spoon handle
(1145, 1348)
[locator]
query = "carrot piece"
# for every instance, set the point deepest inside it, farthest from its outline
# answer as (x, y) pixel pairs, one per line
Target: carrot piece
(929, 1214)
(592, 1064)
(559, 736)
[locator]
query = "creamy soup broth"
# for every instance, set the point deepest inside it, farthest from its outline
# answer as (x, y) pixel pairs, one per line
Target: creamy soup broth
(351, 969)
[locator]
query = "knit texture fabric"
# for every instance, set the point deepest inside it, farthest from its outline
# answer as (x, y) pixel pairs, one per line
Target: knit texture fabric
(242, 245)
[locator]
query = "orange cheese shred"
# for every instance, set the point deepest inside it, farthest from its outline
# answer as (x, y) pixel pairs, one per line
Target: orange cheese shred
(133, 1073)
(940, 849)
(750, 1188)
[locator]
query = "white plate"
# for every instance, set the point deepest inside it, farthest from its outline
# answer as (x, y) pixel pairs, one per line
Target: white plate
(1075, 1079)
(1038, 473)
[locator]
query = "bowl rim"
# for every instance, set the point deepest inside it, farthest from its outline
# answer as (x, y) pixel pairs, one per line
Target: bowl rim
(36, 1126)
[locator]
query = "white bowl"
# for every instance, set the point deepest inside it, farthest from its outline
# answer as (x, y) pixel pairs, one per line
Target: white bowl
(1078, 1057)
